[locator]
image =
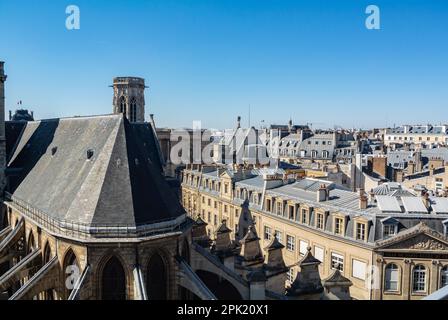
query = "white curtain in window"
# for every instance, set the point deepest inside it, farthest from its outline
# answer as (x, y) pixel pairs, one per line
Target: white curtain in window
(319, 254)
(359, 269)
(303, 247)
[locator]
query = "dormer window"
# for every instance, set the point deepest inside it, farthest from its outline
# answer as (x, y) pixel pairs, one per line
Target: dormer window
(390, 227)
(53, 150)
(339, 226)
(90, 154)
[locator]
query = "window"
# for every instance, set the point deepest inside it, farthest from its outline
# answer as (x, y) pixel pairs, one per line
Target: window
(279, 208)
(268, 205)
(320, 221)
(337, 261)
(279, 236)
(303, 247)
(419, 279)
(216, 205)
(388, 230)
(358, 269)
(133, 110)
(391, 277)
(216, 219)
(267, 233)
(304, 216)
(123, 105)
(290, 275)
(226, 188)
(338, 225)
(360, 231)
(444, 277)
(209, 217)
(236, 227)
(290, 243)
(209, 202)
(203, 199)
(319, 253)
(291, 212)
(90, 153)
(225, 208)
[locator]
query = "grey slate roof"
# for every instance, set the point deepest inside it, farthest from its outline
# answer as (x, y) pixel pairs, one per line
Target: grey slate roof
(121, 184)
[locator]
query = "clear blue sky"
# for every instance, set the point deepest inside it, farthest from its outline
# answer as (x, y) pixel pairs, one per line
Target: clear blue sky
(209, 60)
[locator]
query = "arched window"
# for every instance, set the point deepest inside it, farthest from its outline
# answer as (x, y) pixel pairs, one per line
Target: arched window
(156, 279)
(133, 110)
(31, 245)
(391, 277)
(419, 279)
(71, 271)
(47, 253)
(113, 281)
(325, 154)
(444, 277)
(314, 154)
(123, 105)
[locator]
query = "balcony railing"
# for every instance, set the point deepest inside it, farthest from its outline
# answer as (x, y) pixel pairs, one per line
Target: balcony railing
(89, 231)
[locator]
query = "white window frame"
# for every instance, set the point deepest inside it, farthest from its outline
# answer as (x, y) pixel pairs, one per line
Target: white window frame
(290, 243)
(391, 277)
(337, 258)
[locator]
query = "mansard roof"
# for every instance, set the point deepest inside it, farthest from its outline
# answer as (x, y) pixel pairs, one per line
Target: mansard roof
(92, 170)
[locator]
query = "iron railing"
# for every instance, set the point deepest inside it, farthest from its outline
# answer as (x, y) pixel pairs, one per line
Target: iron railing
(91, 230)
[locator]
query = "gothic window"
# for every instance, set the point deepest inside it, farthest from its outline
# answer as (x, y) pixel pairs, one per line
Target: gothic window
(47, 253)
(391, 277)
(31, 243)
(113, 281)
(133, 110)
(419, 279)
(123, 105)
(71, 270)
(156, 278)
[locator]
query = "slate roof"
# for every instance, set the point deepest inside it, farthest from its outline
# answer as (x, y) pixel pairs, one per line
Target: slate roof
(121, 184)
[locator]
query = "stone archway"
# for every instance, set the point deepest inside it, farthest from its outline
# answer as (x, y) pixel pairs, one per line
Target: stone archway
(113, 280)
(157, 278)
(221, 288)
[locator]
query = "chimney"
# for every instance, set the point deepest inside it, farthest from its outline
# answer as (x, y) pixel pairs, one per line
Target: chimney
(323, 194)
(425, 198)
(238, 122)
(363, 199)
(10, 115)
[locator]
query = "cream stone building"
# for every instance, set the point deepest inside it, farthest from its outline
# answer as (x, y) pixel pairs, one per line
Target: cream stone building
(390, 243)
(418, 135)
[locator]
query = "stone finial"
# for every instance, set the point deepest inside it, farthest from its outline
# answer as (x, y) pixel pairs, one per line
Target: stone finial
(337, 287)
(307, 282)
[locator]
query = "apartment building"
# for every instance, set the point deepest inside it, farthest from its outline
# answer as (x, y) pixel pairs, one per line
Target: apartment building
(391, 243)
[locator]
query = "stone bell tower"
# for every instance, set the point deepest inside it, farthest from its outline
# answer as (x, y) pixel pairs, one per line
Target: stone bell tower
(2, 128)
(129, 98)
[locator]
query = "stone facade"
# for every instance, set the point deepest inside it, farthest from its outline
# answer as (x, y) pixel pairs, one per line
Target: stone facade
(129, 98)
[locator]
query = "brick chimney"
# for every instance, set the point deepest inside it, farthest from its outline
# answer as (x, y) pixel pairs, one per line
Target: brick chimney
(363, 200)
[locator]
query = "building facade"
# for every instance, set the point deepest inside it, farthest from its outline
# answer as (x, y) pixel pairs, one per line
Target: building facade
(389, 244)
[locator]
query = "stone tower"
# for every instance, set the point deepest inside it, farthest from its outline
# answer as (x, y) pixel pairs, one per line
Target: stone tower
(129, 98)
(2, 127)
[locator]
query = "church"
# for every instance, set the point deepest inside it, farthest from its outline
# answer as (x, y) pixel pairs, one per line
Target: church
(87, 214)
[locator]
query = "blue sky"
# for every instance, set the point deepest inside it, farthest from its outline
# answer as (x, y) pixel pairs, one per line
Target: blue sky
(209, 60)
